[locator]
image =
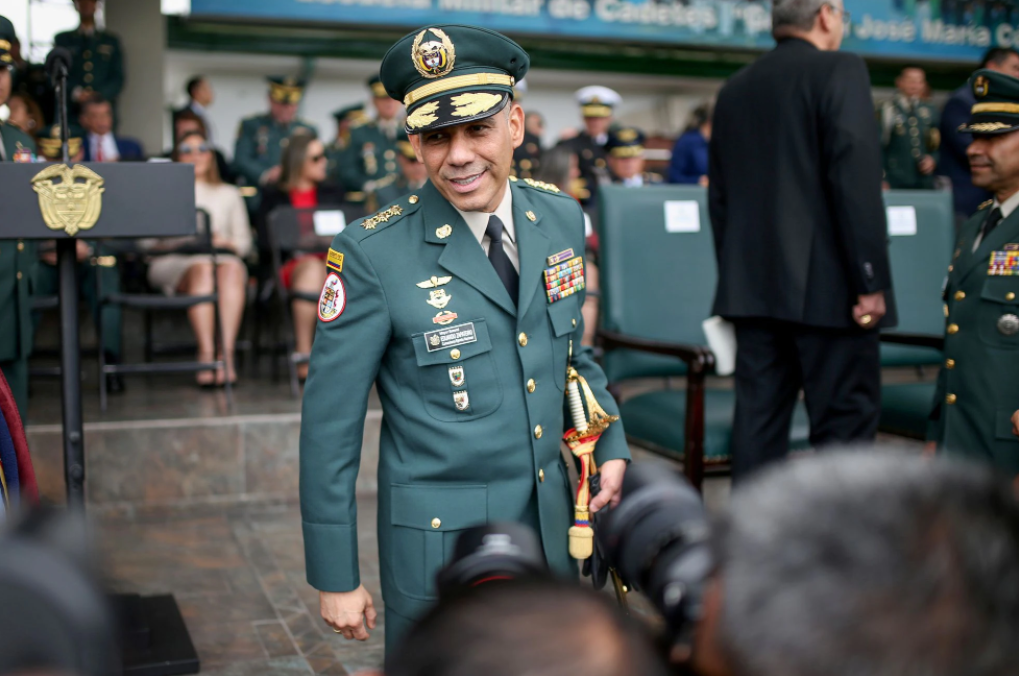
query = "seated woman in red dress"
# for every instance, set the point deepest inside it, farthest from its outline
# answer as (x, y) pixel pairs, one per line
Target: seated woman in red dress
(302, 186)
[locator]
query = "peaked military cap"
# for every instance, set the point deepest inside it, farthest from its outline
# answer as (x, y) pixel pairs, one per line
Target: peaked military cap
(625, 142)
(51, 148)
(7, 36)
(286, 89)
(351, 112)
(452, 74)
(597, 101)
(997, 108)
(378, 89)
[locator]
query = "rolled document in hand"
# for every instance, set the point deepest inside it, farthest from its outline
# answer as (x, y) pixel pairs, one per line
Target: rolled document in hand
(721, 337)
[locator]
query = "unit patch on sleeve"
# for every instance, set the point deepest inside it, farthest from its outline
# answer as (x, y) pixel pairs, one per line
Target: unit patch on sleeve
(1004, 263)
(565, 279)
(333, 299)
(334, 261)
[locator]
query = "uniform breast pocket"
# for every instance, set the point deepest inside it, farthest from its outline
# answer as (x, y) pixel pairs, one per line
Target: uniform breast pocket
(426, 522)
(563, 318)
(457, 378)
(998, 314)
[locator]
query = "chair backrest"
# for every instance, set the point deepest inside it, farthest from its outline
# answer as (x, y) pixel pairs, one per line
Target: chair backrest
(921, 228)
(293, 229)
(657, 272)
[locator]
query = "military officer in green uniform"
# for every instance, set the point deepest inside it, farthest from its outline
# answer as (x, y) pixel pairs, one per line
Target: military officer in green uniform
(625, 149)
(978, 391)
(261, 138)
(597, 106)
(17, 258)
(372, 156)
(441, 300)
(98, 60)
(909, 134)
(412, 176)
(347, 118)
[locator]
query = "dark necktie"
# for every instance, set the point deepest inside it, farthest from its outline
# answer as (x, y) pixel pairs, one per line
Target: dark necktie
(992, 221)
(500, 261)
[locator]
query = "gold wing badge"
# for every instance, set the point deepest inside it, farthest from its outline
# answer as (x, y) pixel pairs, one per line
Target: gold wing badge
(69, 199)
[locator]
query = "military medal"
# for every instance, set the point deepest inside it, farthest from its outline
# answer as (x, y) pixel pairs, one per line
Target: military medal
(1004, 263)
(434, 282)
(555, 259)
(439, 299)
(565, 279)
(444, 318)
(456, 376)
(1008, 325)
(462, 401)
(333, 299)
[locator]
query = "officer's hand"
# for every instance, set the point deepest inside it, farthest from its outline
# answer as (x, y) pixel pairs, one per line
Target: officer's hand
(611, 481)
(348, 612)
(926, 165)
(930, 449)
(270, 175)
(869, 310)
(1015, 423)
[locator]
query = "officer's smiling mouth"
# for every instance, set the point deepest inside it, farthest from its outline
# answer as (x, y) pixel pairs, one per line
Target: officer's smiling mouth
(466, 183)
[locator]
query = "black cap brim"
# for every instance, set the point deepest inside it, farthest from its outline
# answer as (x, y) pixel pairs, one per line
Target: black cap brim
(458, 107)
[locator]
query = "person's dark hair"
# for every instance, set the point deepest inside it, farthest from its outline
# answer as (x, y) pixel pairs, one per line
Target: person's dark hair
(292, 160)
(525, 628)
(997, 56)
(94, 99)
(555, 167)
(794, 15)
(191, 116)
(700, 116)
(874, 563)
(192, 85)
(212, 176)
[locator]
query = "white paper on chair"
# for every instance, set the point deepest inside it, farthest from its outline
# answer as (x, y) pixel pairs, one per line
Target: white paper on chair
(328, 223)
(901, 221)
(721, 337)
(682, 216)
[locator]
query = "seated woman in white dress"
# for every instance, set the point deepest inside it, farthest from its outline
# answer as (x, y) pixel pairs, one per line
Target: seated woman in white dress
(192, 274)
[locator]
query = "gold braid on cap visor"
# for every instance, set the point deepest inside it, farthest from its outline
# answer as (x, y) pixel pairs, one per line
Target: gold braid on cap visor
(995, 108)
(458, 82)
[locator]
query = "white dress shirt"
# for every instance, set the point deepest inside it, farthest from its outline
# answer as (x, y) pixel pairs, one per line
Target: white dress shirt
(477, 221)
(1007, 207)
(109, 145)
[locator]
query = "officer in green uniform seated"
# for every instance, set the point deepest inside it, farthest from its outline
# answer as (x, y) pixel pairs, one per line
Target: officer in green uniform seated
(346, 118)
(625, 149)
(17, 258)
(909, 134)
(526, 156)
(261, 138)
(441, 300)
(98, 60)
(93, 262)
(412, 177)
(372, 156)
(978, 391)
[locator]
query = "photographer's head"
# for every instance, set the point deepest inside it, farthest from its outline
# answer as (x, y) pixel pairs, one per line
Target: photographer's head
(533, 627)
(865, 563)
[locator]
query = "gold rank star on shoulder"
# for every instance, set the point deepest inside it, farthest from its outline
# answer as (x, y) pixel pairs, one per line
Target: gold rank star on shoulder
(382, 217)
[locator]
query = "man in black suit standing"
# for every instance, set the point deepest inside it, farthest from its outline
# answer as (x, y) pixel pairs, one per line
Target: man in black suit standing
(800, 235)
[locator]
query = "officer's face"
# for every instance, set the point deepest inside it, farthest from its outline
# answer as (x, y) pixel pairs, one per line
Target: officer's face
(86, 8)
(5, 84)
(284, 113)
(912, 83)
(413, 171)
(97, 118)
(994, 162)
(386, 107)
(470, 163)
(626, 167)
(1009, 66)
(596, 126)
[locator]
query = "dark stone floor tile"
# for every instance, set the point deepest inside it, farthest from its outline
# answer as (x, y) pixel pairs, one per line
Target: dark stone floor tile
(220, 608)
(275, 639)
(283, 666)
(222, 644)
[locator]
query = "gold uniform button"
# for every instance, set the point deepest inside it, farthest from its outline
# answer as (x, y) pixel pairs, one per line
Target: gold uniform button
(1009, 296)
(21, 246)
(953, 329)
(949, 364)
(454, 353)
(436, 523)
(959, 295)
(88, 77)
(951, 267)
(413, 199)
(574, 323)
(531, 386)
(537, 431)
(951, 399)
(522, 339)
(19, 274)
(541, 475)
(87, 66)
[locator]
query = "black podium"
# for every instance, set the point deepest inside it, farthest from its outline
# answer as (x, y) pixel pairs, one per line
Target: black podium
(103, 201)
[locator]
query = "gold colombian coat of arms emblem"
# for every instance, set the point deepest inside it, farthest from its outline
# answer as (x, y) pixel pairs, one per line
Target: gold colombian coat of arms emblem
(69, 199)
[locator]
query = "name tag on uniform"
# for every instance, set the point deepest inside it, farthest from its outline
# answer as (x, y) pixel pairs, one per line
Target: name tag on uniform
(461, 334)
(1004, 263)
(565, 279)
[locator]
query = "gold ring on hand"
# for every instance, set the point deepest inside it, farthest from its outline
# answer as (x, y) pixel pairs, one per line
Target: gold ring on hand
(865, 319)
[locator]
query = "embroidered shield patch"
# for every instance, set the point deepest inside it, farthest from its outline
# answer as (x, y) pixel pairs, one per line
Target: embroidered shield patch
(333, 299)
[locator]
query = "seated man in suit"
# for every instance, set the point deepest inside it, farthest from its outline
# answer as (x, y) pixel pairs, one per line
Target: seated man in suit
(101, 145)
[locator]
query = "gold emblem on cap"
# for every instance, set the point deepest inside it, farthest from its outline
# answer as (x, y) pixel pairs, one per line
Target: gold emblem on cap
(627, 135)
(981, 86)
(74, 203)
(434, 58)
(444, 231)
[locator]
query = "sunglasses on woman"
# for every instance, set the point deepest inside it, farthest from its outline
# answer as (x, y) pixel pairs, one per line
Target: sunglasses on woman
(316, 158)
(188, 149)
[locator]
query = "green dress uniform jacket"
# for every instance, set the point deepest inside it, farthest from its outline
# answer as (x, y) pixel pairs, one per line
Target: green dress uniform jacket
(978, 390)
(443, 468)
(371, 156)
(908, 132)
(98, 63)
(260, 143)
(18, 260)
(592, 163)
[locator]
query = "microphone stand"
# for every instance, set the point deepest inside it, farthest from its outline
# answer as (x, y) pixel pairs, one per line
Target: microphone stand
(70, 349)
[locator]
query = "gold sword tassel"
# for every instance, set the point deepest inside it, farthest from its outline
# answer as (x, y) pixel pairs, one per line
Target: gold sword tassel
(582, 440)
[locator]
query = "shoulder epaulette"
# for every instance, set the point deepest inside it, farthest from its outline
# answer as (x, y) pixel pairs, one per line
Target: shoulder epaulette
(541, 185)
(984, 205)
(390, 214)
